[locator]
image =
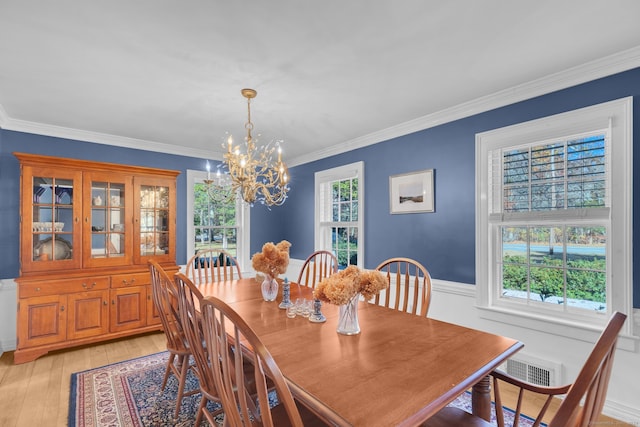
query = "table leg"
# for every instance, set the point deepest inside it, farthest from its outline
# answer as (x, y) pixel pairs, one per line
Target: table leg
(481, 399)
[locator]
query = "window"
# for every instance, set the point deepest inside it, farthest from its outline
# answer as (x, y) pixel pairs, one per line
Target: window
(217, 219)
(549, 219)
(339, 213)
(214, 218)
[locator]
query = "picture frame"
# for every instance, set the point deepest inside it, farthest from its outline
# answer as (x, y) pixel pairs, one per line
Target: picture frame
(411, 192)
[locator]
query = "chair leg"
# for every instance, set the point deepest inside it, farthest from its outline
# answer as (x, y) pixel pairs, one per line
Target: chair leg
(168, 370)
(203, 403)
(184, 362)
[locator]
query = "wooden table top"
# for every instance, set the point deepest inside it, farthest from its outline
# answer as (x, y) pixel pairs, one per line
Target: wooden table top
(399, 370)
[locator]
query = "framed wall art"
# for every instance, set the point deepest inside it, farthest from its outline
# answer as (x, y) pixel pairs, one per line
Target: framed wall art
(411, 192)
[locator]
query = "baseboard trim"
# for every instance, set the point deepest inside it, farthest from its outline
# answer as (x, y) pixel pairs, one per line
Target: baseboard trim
(7, 345)
(621, 412)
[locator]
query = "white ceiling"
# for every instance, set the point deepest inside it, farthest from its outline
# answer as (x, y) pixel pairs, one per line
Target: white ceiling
(330, 75)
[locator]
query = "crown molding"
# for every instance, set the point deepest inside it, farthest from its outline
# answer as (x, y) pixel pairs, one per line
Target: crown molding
(101, 138)
(593, 70)
(616, 63)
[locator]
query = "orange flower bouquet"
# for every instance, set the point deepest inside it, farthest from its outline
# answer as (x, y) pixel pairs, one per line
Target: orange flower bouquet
(371, 283)
(273, 260)
(343, 288)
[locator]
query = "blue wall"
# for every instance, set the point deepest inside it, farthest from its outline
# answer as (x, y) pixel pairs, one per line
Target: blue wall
(444, 241)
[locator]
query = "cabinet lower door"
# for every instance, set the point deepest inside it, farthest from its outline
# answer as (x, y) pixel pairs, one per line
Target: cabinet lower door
(42, 320)
(128, 308)
(88, 314)
(153, 317)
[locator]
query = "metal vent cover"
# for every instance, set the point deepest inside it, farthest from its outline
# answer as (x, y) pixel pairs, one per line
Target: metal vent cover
(533, 370)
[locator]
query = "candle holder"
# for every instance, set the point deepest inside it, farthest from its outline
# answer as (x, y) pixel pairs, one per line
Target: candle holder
(317, 316)
(286, 294)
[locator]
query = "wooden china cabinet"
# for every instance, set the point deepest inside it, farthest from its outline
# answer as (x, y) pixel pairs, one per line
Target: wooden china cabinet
(87, 231)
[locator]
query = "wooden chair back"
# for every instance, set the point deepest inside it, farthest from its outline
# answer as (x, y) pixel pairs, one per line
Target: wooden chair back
(592, 382)
(213, 265)
(590, 388)
(165, 299)
(190, 301)
(318, 266)
(409, 286)
(223, 330)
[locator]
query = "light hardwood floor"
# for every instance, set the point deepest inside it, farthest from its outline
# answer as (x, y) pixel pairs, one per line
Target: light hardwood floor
(36, 394)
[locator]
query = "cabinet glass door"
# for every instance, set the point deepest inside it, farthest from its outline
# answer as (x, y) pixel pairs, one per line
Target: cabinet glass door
(154, 220)
(53, 219)
(50, 216)
(107, 235)
(154, 236)
(107, 216)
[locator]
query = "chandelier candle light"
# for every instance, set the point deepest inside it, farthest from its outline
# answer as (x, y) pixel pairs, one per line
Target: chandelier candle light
(218, 189)
(254, 175)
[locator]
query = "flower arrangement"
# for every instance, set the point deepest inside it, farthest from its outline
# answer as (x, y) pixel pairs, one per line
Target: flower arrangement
(273, 260)
(342, 286)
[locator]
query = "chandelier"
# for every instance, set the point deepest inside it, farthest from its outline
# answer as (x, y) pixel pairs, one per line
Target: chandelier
(254, 174)
(218, 190)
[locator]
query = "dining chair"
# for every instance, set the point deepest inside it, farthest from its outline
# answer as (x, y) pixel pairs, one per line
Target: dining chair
(590, 387)
(165, 300)
(224, 330)
(318, 266)
(190, 301)
(409, 286)
(213, 265)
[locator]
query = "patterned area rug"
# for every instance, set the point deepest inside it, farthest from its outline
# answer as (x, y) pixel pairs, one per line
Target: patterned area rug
(127, 394)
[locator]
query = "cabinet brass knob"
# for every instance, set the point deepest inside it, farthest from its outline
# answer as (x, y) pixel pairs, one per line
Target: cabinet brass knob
(62, 308)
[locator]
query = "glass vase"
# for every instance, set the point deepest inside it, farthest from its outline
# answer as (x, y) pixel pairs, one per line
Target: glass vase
(348, 321)
(269, 288)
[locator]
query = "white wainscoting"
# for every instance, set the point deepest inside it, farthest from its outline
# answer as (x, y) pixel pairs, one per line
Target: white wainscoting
(8, 307)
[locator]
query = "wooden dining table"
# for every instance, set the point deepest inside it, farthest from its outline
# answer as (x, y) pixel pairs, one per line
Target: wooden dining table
(400, 370)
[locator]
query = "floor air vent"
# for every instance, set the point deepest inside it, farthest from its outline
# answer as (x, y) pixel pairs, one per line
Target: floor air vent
(533, 370)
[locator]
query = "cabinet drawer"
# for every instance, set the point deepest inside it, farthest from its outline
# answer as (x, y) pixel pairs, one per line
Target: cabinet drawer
(131, 279)
(62, 286)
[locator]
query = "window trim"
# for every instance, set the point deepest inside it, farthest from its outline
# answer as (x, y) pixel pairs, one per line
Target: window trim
(617, 115)
(335, 174)
(244, 231)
